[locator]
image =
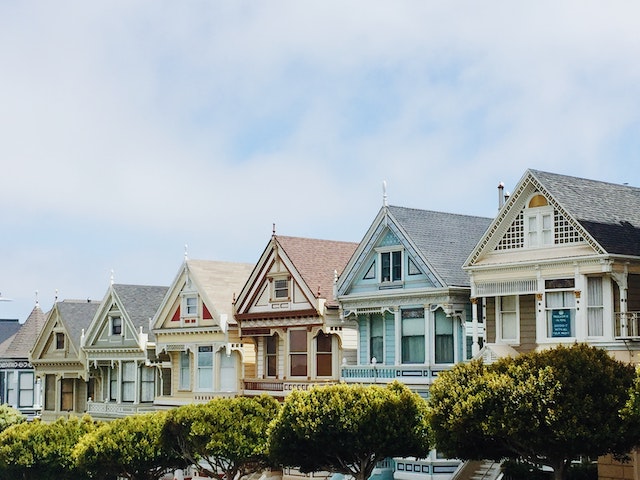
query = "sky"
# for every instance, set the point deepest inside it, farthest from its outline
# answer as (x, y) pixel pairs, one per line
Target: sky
(131, 129)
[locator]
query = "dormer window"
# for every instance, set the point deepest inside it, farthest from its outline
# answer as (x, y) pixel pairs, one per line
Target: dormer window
(191, 305)
(391, 266)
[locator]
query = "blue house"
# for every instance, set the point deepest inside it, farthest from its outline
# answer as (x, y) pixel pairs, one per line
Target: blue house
(405, 292)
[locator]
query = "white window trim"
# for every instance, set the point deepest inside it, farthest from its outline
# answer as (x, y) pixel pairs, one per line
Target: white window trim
(539, 213)
(186, 318)
(272, 293)
(545, 322)
(390, 250)
(199, 388)
(499, 310)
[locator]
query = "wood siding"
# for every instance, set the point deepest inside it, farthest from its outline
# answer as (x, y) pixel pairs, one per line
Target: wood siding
(527, 323)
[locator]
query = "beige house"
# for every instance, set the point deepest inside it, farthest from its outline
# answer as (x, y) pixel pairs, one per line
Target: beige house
(60, 362)
(288, 311)
(198, 349)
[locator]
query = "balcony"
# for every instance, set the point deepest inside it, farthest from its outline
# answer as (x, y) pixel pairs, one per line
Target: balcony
(278, 387)
(408, 374)
(627, 325)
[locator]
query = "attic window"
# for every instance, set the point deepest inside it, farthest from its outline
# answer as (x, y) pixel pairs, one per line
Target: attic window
(280, 289)
(116, 326)
(538, 201)
(59, 341)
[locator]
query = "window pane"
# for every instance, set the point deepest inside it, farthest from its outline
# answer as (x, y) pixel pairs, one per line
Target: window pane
(444, 339)
(323, 365)
(323, 343)
(298, 365)
(595, 308)
(185, 371)
(49, 392)
(147, 385)
(298, 340)
(271, 347)
(376, 341)
(397, 266)
(66, 400)
(509, 330)
(205, 368)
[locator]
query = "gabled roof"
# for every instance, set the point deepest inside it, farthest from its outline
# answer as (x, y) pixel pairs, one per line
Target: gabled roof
(609, 212)
(216, 282)
(76, 316)
(607, 215)
(19, 345)
(140, 303)
(317, 262)
(443, 239)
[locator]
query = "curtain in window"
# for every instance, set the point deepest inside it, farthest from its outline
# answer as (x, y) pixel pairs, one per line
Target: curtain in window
(113, 384)
(595, 310)
(185, 371)
(205, 368)
(376, 341)
(444, 339)
(413, 328)
(147, 384)
(128, 381)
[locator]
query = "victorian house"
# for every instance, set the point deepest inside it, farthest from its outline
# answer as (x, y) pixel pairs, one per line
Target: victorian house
(561, 264)
(59, 360)
(18, 385)
(117, 348)
(197, 346)
(405, 292)
(288, 313)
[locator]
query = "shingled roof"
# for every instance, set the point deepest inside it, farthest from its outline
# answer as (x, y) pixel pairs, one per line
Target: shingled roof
(609, 212)
(444, 239)
(76, 315)
(317, 261)
(140, 302)
(20, 344)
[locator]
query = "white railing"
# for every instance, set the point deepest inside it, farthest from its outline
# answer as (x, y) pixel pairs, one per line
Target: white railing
(414, 374)
(627, 325)
(111, 409)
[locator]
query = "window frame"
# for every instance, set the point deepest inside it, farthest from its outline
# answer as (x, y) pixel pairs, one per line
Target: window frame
(147, 384)
(67, 395)
(500, 323)
(565, 287)
(271, 357)
(296, 366)
(407, 354)
(60, 341)
(376, 342)
(324, 354)
(29, 387)
(391, 261)
(591, 307)
(204, 369)
(116, 326)
(281, 286)
(436, 350)
(184, 369)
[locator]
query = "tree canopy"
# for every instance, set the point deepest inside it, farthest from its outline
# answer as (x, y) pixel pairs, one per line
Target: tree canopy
(349, 428)
(547, 407)
(128, 447)
(38, 450)
(9, 416)
(228, 435)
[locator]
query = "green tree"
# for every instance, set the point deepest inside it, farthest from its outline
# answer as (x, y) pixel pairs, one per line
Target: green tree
(349, 428)
(228, 435)
(9, 416)
(38, 450)
(546, 407)
(129, 447)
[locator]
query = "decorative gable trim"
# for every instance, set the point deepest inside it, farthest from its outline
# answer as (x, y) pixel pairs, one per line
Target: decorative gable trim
(501, 237)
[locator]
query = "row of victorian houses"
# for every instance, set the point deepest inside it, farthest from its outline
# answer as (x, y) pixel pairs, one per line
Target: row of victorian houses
(422, 291)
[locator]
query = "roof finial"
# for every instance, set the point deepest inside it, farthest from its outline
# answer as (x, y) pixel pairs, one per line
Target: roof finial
(186, 252)
(273, 231)
(112, 277)
(37, 302)
(384, 193)
(55, 299)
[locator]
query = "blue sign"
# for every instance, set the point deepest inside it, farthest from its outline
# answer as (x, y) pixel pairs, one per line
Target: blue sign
(561, 323)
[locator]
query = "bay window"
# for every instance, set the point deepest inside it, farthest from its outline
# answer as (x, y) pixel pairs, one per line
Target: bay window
(298, 352)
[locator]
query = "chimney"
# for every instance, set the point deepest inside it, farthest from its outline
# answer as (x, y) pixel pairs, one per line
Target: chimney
(500, 195)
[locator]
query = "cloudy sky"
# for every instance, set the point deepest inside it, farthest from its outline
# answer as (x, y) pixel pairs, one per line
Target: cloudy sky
(131, 128)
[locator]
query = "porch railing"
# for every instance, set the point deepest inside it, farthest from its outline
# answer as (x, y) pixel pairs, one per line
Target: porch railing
(114, 410)
(627, 325)
(280, 387)
(413, 374)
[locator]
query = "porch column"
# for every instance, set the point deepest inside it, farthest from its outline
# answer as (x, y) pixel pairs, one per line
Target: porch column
(621, 280)
(475, 347)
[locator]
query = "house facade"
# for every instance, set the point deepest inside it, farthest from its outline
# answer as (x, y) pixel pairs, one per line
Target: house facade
(406, 293)
(59, 360)
(19, 386)
(288, 312)
(197, 346)
(117, 349)
(560, 264)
